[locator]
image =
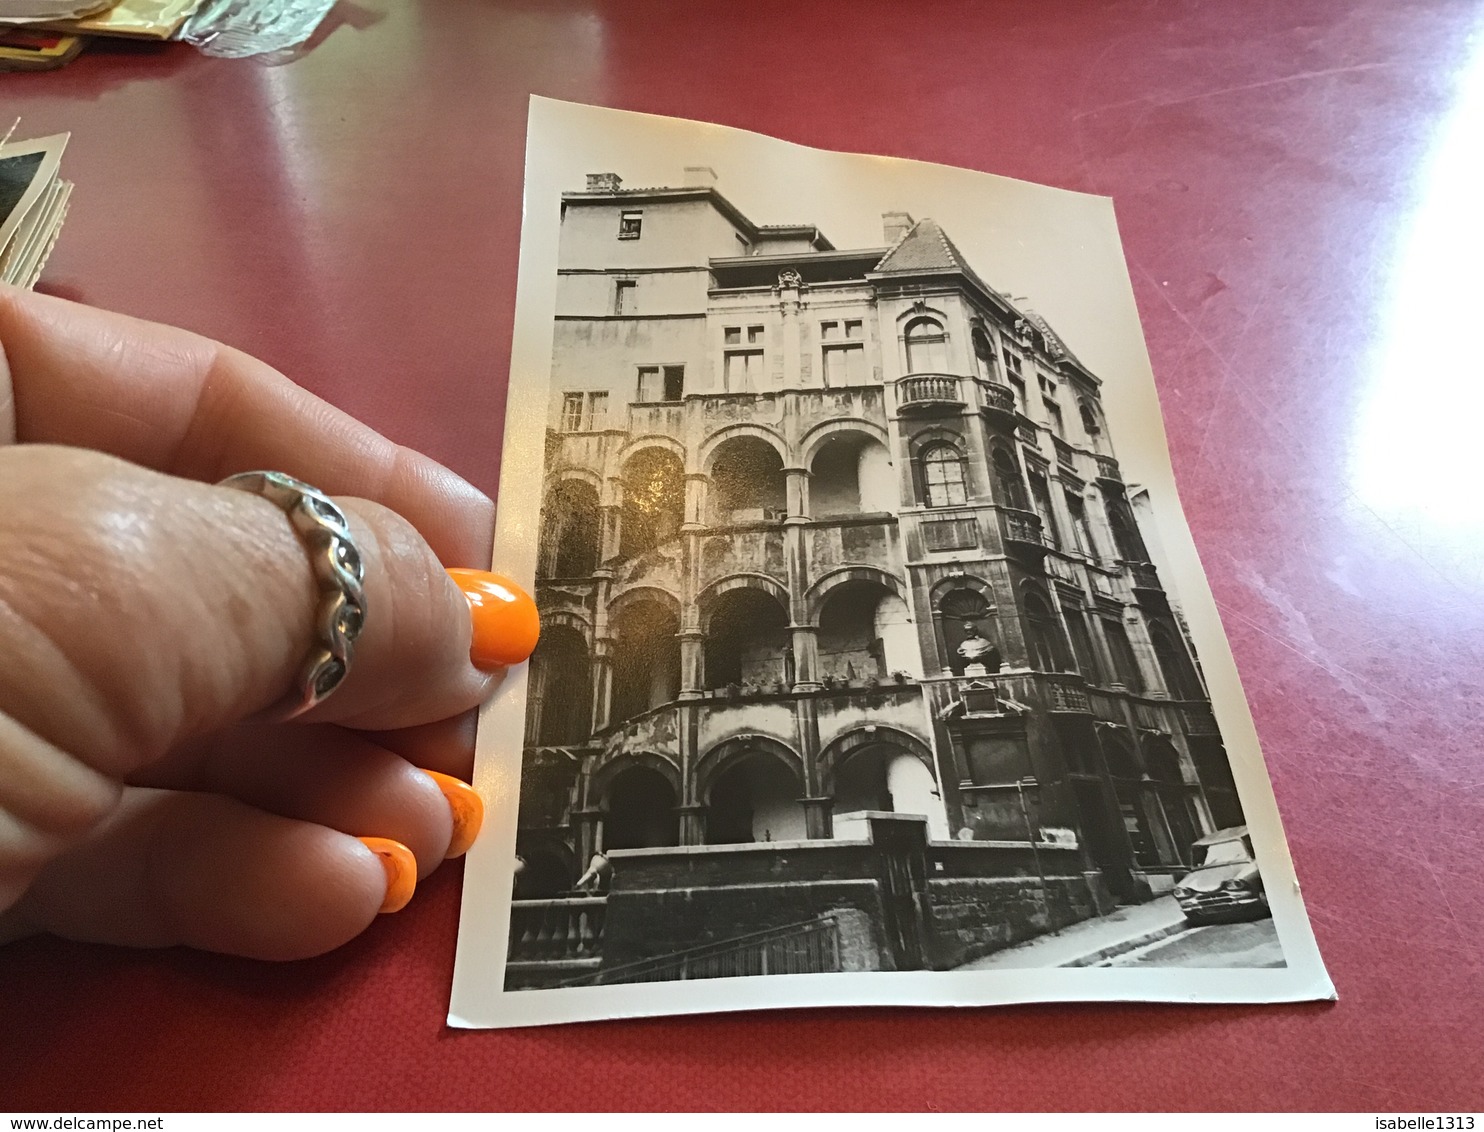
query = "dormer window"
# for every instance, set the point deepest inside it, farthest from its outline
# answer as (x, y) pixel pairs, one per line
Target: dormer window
(630, 222)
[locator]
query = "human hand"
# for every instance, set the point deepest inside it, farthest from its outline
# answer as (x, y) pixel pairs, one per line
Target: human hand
(145, 615)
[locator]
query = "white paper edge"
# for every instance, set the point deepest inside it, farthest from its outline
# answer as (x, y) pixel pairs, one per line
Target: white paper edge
(479, 999)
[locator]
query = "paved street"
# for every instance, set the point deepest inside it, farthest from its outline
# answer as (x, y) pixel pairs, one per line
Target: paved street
(1143, 935)
(1220, 945)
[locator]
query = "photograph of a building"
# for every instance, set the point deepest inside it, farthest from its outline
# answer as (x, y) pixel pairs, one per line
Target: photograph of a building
(854, 656)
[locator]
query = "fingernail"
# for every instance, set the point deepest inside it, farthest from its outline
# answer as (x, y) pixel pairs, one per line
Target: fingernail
(401, 871)
(468, 811)
(506, 624)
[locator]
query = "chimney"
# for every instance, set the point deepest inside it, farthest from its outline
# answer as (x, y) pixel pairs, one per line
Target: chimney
(603, 182)
(700, 177)
(894, 225)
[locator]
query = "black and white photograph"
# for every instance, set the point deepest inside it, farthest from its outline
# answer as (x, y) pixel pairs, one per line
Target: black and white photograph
(862, 652)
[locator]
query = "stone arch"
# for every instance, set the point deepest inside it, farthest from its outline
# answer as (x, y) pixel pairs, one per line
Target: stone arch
(707, 453)
(566, 618)
(813, 440)
(636, 444)
(768, 585)
(633, 594)
(839, 750)
(602, 777)
(920, 310)
(733, 749)
(814, 596)
(572, 472)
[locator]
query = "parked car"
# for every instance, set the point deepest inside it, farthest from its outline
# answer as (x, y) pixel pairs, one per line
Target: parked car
(1225, 883)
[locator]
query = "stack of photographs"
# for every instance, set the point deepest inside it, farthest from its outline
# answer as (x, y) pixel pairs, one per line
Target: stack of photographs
(33, 204)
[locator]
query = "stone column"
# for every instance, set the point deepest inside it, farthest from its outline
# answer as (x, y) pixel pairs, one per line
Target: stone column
(806, 658)
(587, 830)
(816, 806)
(692, 824)
(602, 682)
(819, 822)
(789, 288)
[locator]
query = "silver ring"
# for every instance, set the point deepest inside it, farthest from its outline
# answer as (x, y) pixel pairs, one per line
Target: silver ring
(338, 568)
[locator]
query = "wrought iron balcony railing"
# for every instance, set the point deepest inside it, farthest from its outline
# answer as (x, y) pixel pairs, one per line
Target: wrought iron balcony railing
(1108, 468)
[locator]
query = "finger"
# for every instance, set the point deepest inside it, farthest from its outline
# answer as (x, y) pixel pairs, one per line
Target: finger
(180, 403)
(446, 746)
(139, 610)
(325, 775)
(208, 872)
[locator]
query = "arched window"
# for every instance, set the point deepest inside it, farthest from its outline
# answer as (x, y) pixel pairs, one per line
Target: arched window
(1174, 666)
(1045, 642)
(1125, 534)
(569, 541)
(1012, 487)
(943, 483)
(1090, 423)
(1125, 665)
(984, 351)
(927, 346)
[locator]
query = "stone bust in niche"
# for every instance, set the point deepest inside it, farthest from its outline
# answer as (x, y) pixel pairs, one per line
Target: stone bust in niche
(979, 654)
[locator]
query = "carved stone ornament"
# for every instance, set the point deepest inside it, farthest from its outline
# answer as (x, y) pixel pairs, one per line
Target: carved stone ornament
(790, 279)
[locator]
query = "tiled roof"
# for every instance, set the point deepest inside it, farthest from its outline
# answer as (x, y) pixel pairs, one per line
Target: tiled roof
(925, 247)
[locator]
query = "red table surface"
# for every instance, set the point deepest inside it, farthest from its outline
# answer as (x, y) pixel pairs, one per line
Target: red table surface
(353, 216)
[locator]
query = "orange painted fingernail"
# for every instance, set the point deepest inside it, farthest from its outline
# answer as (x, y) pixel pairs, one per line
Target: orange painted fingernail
(468, 811)
(401, 871)
(506, 624)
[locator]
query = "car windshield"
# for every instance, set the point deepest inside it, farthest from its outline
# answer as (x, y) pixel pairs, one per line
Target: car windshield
(1226, 853)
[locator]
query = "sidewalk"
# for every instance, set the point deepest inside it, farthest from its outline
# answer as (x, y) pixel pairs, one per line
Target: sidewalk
(1091, 941)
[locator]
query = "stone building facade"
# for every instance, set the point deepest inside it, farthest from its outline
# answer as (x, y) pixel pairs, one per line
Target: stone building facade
(837, 531)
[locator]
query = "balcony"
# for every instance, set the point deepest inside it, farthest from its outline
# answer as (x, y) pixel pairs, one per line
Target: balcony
(1144, 576)
(927, 391)
(1108, 469)
(1024, 527)
(999, 404)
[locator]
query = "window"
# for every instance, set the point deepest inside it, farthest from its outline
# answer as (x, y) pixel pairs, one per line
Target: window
(1180, 679)
(1012, 363)
(630, 221)
(1081, 530)
(1045, 643)
(623, 296)
(1053, 414)
(833, 331)
(584, 412)
(661, 383)
(983, 350)
(1007, 472)
(843, 352)
(1125, 535)
(844, 365)
(1082, 651)
(927, 346)
(943, 476)
(1125, 666)
(1090, 419)
(733, 335)
(1041, 497)
(743, 370)
(742, 362)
